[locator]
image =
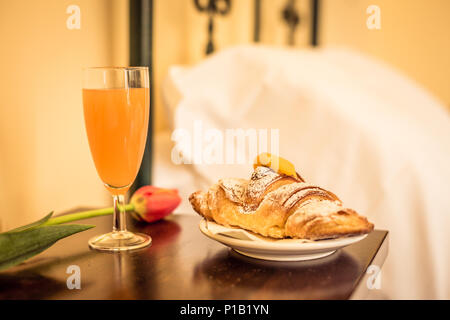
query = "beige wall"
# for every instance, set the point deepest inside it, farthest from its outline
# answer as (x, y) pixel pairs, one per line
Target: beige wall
(414, 36)
(45, 162)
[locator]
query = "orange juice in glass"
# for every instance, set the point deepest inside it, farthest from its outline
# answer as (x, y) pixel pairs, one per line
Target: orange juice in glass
(116, 111)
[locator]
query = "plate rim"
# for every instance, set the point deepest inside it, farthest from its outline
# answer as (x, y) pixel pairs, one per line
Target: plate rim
(301, 246)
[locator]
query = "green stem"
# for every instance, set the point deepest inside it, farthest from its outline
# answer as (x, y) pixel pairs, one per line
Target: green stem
(84, 215)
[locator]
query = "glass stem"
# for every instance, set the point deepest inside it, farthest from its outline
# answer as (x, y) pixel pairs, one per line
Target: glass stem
(119, 222)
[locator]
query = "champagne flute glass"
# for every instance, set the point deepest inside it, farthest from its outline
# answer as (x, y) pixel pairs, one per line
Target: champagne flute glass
(116, 110)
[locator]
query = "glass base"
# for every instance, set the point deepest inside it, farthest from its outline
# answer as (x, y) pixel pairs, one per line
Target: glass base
(120, 241)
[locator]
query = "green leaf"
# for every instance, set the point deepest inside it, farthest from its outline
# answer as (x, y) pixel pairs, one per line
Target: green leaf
(32, 225)
(17, 246)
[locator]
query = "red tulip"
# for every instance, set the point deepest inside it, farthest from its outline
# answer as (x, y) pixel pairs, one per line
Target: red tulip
(153, 203)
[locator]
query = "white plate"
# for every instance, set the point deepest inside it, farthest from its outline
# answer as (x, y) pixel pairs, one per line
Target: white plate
(254, 246)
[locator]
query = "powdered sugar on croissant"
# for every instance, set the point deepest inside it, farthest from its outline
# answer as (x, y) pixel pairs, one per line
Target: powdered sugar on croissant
(278, 206)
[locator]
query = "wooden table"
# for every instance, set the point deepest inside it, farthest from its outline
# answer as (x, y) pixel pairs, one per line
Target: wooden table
(183, 264)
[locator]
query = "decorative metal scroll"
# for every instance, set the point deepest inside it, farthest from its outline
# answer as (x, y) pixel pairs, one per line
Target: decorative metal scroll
(292, 19)
(212, 8)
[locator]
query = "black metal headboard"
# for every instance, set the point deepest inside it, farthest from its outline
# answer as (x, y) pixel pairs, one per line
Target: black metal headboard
(289, 14)
(141, 54)
(141, 47)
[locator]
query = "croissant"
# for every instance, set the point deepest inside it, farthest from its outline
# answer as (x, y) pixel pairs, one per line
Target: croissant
(278, 206)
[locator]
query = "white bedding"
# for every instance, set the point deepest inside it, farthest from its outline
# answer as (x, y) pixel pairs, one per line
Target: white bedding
(348, 123)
